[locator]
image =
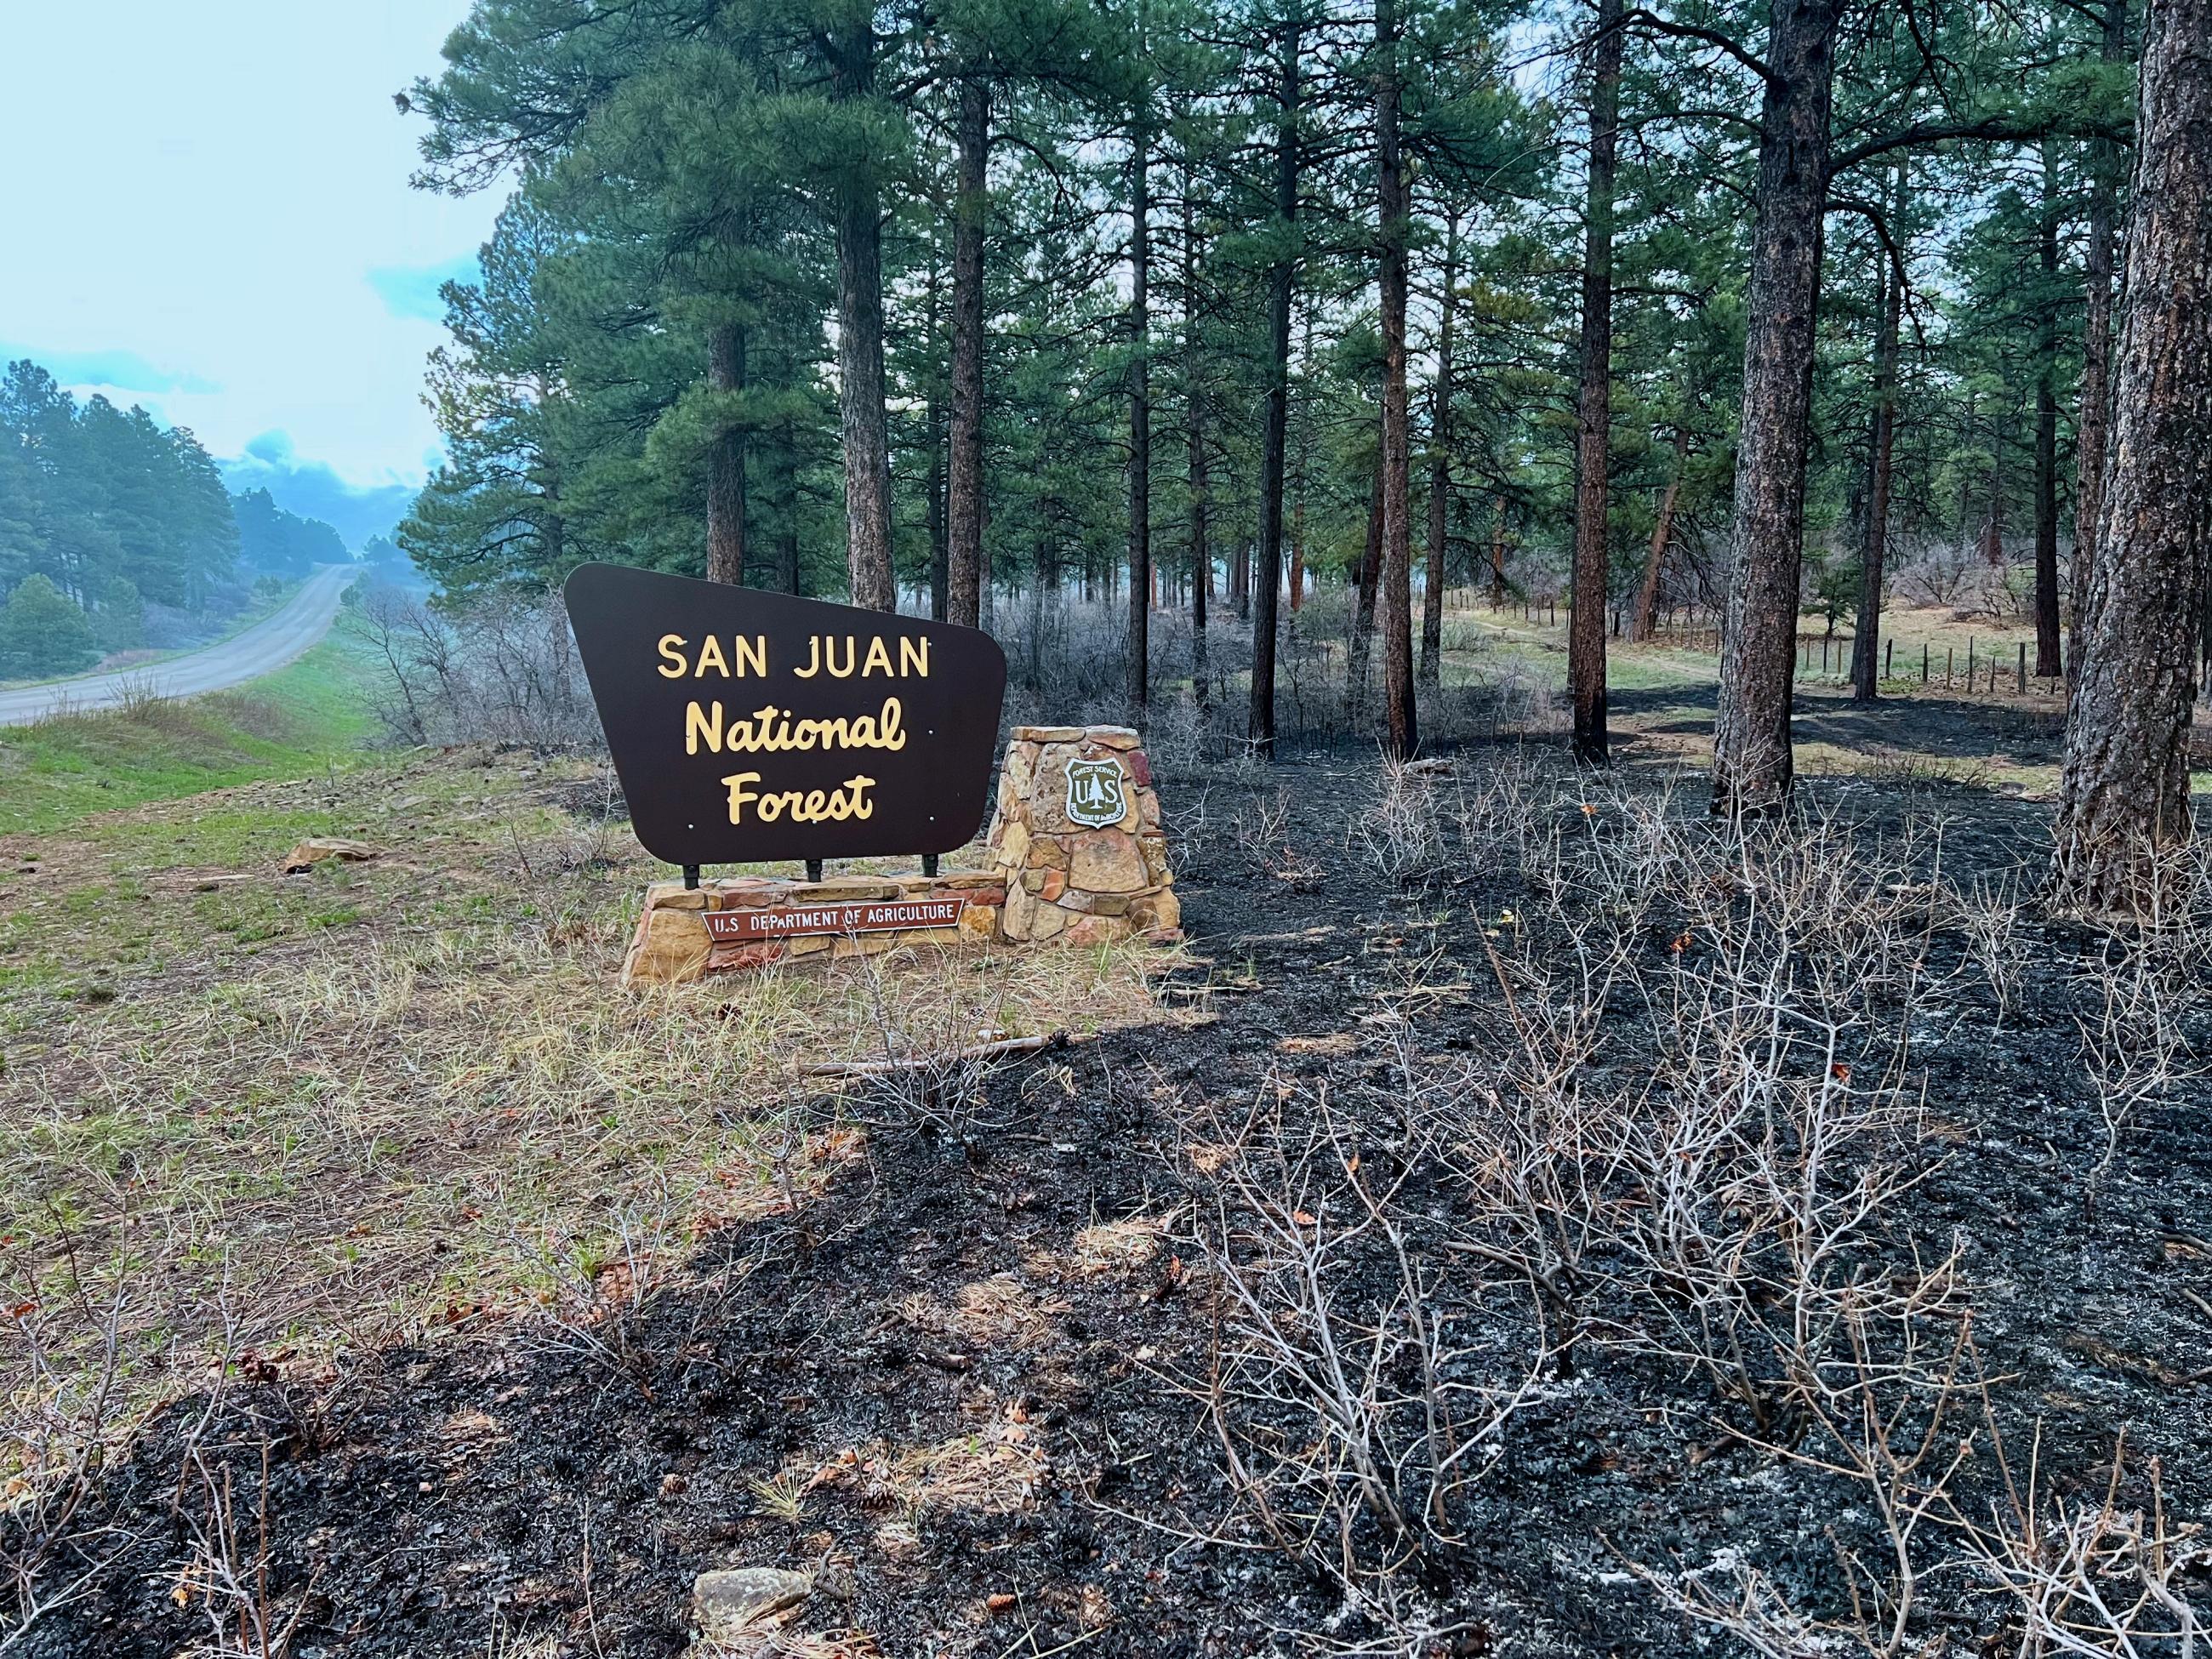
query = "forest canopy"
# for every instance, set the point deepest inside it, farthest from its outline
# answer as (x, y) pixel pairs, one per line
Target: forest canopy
(104, 512)
(96, 498)
(661, 312)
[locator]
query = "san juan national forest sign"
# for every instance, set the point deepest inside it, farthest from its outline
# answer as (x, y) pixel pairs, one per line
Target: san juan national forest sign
(748, 726)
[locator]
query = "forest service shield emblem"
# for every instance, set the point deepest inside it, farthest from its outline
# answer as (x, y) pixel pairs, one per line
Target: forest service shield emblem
(1095, 796)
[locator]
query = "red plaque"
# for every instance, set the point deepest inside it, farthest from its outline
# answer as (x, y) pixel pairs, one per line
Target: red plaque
(871, 917)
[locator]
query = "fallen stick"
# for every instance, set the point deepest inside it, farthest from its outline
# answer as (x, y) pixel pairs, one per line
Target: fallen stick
(1022, 1045)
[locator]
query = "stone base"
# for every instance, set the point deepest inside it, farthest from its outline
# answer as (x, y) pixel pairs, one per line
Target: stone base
(756, 920)
(1076, 839)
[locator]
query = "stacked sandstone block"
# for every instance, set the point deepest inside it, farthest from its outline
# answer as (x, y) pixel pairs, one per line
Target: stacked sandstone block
(1082, 882)
(676, 942)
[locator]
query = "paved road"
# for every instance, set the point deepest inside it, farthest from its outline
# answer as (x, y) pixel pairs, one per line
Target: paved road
(261, 649)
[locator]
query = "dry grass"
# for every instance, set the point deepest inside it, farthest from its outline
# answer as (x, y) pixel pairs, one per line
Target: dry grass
(296, 1115)
(997, 1468)
(1118, 1247)
(1000, 1311)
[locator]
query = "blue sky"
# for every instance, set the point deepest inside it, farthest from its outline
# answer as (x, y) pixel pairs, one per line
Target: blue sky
(205, 210)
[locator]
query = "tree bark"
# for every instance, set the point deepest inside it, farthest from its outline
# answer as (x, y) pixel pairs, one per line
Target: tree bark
(1663, 532)
(2046, 428)
(1282, 277)
(1498, 556)
(1752, 765)
(861, 347)
(725, 462)
(941, 556)
(1394, 206)
(1359, 672)
(1993, 550)
(1593, 560)
(1432, 599)
(2093, 420)
(1866, 636)
(2123, 796)
(963, 509)
(1299, 475)
(1193, 375)
(787, 555)
(1140, 415)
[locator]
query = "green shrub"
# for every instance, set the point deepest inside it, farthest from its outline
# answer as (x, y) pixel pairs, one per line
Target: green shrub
(44, 631)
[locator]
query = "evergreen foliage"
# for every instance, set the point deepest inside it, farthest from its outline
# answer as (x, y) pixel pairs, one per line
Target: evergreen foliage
(110, 508)
(1115, 286)
(43, 631)
(274, 543)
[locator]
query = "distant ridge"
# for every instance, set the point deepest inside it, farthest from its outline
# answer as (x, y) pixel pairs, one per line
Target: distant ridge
(312, 490)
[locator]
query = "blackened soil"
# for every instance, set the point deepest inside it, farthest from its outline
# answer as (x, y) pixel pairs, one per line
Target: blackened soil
(504, 1490)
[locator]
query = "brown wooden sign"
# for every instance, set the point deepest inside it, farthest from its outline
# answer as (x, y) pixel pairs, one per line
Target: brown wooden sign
(788, 922)
(748, 726)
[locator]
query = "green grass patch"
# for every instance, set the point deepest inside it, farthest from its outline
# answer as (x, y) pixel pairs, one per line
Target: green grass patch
(302, 717)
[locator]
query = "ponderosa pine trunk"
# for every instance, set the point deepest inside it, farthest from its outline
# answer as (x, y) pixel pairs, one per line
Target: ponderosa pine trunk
(2123, 796)
(1299, 475)
(1498, 556)
(1593, 559)
(1368, 581)
(726, 461)
(940, 557)
(1866, 634)
(2046, 428)
(1655, 556)
(860, 346)
(1395, 210)
(1993, 548)
(2093, 419)
(1140, 415)
(1195, 459)
(1752, 765)
(963, 509)
(1282, 277)
(1439, 548)
(787, 572)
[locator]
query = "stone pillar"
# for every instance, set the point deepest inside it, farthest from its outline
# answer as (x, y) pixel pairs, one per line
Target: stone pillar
(1076, 839)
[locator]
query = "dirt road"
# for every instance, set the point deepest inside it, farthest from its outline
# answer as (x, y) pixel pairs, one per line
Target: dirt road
(261, 649)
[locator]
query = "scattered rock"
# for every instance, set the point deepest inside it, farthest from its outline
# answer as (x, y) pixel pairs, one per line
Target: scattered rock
(316, 849)
(727, 1602)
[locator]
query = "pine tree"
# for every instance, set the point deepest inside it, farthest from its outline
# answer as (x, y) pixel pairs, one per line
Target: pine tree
(1592, 554)
(1393, 484)
(2123, 795)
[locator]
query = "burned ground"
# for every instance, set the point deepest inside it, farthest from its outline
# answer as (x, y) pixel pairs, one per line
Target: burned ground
(975, 1384)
